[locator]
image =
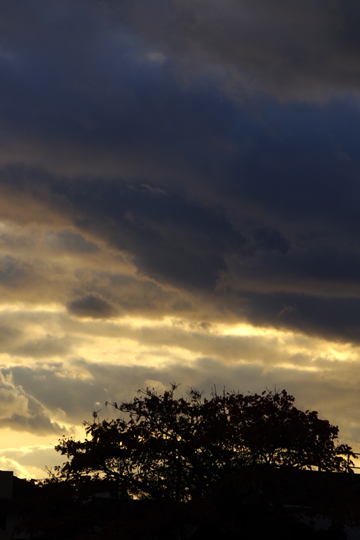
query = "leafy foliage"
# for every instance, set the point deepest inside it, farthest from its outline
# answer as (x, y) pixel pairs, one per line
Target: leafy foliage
(178, 448)
(198, 468)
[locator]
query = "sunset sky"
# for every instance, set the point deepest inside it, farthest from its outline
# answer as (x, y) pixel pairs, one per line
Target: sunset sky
(179, 202)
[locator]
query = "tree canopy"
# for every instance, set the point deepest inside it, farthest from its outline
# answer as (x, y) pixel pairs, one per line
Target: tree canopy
(178, 448)
(191, 467)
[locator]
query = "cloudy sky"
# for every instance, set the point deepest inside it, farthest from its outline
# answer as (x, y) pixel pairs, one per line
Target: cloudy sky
(179, 202)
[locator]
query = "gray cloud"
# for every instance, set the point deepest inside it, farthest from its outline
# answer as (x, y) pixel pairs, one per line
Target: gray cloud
(92, 306)
(76, 396)
(331, 389)
(20, 411)
(68, 240)
(49, 346)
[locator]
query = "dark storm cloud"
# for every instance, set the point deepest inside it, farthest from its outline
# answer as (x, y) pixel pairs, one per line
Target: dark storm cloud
(304, 49)
(271, 240)
(332, 318)
(156, 128)
(194, 246)
(169, 237)
(176, 239)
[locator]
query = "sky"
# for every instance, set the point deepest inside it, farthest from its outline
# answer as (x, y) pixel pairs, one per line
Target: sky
(179, 202)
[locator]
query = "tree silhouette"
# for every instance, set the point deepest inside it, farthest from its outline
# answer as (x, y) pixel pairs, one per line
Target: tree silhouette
(197, 468)
(178, 448)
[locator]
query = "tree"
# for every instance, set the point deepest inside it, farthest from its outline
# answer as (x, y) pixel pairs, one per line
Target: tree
(198, 468)
(177, 448)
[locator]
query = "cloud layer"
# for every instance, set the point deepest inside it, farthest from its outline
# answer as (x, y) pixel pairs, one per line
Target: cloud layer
(179, 200)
